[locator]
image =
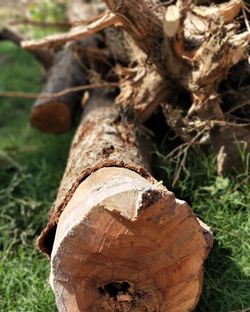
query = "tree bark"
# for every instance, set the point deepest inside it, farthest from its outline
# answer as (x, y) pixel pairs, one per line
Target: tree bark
(123, 242)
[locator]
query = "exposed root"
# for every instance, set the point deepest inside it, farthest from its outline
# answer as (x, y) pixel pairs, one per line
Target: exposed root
(185, 46)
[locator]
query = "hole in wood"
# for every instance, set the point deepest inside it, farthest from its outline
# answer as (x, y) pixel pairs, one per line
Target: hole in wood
(120, 291)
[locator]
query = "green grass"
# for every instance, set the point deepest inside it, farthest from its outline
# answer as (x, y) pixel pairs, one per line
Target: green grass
(224, 204)
(31, 165)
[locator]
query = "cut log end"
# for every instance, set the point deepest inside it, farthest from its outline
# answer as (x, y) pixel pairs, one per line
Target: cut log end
(52, 117)
(125, 244)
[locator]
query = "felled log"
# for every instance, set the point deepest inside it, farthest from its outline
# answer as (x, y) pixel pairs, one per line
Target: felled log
(118, 240)
(54, 114)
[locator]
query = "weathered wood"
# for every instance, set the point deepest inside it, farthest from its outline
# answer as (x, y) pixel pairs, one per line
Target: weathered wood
(55, 114)
(123, 242)
(210, 49)
(189, 46)
(182, 54)
(103, 139)
(195, 50)
(141, 86)
(144, 26)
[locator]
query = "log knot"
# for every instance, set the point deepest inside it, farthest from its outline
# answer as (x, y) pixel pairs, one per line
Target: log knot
(107, 151)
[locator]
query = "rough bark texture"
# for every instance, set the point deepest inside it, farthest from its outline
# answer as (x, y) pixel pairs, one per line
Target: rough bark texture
(190, 45)
(55, 114)
(123, 242)
(119, 240)
(192, 49)
(141, 87)
(103, 139)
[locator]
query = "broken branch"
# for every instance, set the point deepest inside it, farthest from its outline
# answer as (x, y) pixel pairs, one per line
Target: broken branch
(104, 20)
(27, 95)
